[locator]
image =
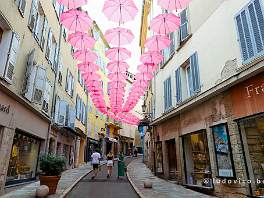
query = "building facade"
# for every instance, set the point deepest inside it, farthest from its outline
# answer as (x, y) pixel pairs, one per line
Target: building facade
(207, 107)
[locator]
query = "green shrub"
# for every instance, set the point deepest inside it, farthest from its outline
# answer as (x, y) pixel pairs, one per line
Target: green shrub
(52, 165)
(260, 185)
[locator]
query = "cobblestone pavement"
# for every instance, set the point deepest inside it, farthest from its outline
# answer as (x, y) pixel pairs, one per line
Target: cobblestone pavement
(102, 187)
(68, 178)
(138, 173)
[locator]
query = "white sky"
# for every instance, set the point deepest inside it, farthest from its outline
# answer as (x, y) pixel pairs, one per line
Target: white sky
(94, 9)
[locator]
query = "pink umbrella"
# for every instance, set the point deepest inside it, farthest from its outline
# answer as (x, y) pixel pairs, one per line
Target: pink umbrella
(88, 65)
(119, 66)
(151, 57)
(165, 23)
(157, 43)
(146, 68)
(120, 10)
(116, 84)
(118, 53)
(119, 36)
(144, 76)
(76, 20)
(117, 76)
(81, 40)
(85, 55)
(174, 4)
(70, 4)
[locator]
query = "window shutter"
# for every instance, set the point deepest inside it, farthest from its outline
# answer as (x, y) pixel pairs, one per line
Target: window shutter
(178, 85)
(60, 70)
(195, 73)
(67, 82)
(49, 43)
(55, 56)
(40, 83)
(46, 97)
(257, 24)
(169, 93)
(12, 57)
(165, 95)
(62, 112)
(33, 15)
(22, 7)
(36, 27)
(184, 25)
(72, 85)
(30, 76)
(57, 110)
(71, 121)
(44, 33)
(76, 106)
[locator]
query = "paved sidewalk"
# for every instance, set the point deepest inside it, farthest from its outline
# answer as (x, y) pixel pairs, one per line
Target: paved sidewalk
(138, 173)
(68, 180)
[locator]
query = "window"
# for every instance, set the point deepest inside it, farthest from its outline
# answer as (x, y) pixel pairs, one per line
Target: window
(187, 79)
(33, 14)
(250, 27)
(58, 8)
(21, 6)
(184, 32)
(60, 69)
(39, 85)
(69, 83)
(52, 50)
(167, 94)
(78, 107)
(9, 47)
(223, 151)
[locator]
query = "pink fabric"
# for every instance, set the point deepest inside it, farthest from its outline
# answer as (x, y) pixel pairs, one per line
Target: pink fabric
(76, 20)
(165, 23)
(118, 54)
(88, 66)
(81, 40)
(117, 66)
(85, 55)
(157, 43)
(117, 75)
(72, 3)
(119, 36)
(151, 57)
(146, 68)
(120, 11)
(174, 4)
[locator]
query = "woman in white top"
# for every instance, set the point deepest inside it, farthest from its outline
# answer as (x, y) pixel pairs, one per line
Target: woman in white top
(110, 164)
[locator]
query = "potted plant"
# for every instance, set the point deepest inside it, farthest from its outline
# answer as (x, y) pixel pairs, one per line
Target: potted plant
(260, 189)
(51, 167)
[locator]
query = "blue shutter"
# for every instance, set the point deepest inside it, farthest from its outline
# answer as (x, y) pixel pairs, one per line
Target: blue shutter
(195, 74)
(165, 95)
(169, 93)
(178, 85)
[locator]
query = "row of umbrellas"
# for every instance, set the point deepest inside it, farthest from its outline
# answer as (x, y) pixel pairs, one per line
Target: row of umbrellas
(161, 25)
(120, 11)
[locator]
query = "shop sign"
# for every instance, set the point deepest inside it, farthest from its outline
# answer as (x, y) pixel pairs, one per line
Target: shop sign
(4, 108)
(248, 97)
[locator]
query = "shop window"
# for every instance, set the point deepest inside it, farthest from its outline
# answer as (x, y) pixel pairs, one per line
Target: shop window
(223, 151)
(196, 159)
(23, 160)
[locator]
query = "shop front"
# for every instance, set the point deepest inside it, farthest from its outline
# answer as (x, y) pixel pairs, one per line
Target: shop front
(92, 145)
(248, 101)
(23, 161)
(197, 161)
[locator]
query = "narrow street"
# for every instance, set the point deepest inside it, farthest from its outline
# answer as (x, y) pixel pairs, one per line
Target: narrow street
(103, 187)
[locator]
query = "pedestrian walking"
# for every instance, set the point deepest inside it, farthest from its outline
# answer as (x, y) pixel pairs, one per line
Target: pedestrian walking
(96, 156)
(110, 164)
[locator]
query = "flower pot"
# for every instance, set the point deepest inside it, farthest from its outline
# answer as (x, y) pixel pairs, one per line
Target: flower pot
(51, 182)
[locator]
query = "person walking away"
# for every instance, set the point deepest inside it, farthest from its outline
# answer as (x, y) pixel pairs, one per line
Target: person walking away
(96, 156)
(110, 164)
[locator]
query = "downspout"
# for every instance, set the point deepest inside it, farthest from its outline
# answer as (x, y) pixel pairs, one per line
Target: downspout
(53, 103)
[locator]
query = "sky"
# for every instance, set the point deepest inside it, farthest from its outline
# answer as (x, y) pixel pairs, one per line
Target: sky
(94, 9)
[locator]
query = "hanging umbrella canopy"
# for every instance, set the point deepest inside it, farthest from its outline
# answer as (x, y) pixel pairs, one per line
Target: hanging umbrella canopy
(120, 11)
(147, 68)
(116, 84)
(174, 4)
(144, 76)
(118, 54)
(81, 40)
(119, 36)
(151, 57)
(85, 55)
(165, 23)
(75, 20)
(117, 76)
(157, 43)
(72, 4)
(118, 66)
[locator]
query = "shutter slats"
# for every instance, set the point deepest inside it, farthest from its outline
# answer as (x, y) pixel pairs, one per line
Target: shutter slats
(178, 85)
(195, 73)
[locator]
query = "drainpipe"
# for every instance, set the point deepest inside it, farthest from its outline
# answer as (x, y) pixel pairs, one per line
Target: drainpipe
(53, 103)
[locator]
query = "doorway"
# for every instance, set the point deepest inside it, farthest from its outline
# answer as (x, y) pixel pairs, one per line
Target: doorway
(171, 148)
